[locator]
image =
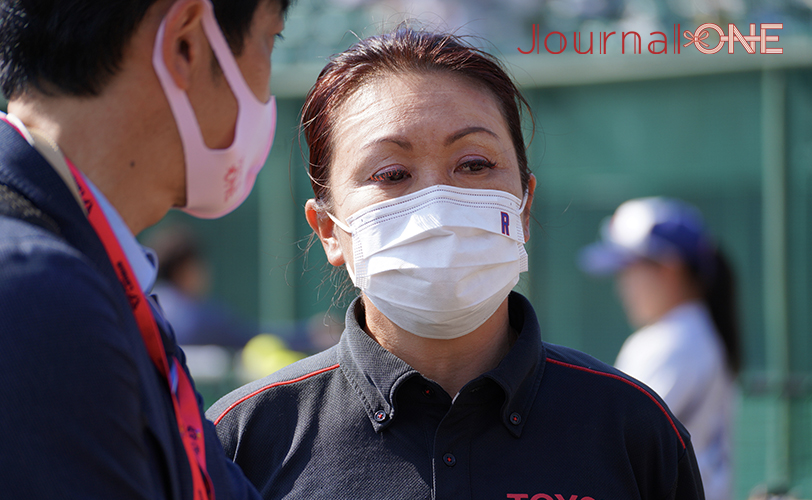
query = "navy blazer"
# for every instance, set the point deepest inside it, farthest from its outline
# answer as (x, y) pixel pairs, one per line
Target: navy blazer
(84, 412)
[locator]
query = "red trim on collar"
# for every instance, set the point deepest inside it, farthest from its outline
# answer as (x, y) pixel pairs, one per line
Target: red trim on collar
(12, 125)
(275, 384)
(629, 382)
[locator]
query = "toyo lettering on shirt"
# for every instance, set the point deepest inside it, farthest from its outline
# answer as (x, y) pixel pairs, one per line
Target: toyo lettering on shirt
(542, 496)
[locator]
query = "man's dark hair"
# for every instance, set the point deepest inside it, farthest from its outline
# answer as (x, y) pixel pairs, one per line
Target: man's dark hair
(74, 47)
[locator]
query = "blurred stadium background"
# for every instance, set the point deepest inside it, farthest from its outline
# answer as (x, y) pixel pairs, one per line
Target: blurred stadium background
(730, 133)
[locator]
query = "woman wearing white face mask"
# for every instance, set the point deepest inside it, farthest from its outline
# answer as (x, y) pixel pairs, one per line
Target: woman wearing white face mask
(440, 386)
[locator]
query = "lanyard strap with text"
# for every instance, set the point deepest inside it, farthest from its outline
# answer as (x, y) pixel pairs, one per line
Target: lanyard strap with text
(187, 412)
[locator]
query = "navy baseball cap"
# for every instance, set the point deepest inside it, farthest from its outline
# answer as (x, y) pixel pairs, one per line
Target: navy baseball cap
(656, 229)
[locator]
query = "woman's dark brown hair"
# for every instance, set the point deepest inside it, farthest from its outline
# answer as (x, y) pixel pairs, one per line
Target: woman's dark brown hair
(405, 50)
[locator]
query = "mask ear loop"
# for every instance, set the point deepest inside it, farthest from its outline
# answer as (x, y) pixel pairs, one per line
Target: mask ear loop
(524, 202)
(338, 223)
(523, 264)
(347, 230)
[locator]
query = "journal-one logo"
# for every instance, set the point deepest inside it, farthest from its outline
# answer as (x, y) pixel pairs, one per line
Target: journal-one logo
(758, 39)
(734, 35)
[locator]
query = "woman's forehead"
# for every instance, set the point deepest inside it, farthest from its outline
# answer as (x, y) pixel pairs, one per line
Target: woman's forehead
(403, 101)
(415, 84)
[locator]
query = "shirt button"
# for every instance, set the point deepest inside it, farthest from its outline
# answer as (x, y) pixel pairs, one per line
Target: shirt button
(515, 418)
(380, 416)
(449, 459)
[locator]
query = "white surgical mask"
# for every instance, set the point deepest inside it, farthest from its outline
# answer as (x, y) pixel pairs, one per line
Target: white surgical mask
(219, 180)
(438, 262)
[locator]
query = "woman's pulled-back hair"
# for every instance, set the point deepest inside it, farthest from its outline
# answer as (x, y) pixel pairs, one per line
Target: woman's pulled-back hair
(405, 50)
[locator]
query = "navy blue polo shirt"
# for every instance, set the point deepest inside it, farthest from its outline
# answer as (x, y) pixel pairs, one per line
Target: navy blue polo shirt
(548, 423)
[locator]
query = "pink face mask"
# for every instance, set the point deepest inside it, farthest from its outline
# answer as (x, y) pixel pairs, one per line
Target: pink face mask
(219, 180)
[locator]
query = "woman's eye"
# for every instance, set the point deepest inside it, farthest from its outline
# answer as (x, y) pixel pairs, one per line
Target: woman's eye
(390, 174)
(477, 164)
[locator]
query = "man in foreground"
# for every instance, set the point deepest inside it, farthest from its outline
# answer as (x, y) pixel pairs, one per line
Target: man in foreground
(118, 111)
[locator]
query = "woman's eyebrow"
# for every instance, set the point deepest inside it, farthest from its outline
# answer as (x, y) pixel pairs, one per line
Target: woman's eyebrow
(403, 143)
(467, 131)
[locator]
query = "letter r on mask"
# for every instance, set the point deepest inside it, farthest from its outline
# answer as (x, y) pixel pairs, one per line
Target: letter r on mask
(505, 224)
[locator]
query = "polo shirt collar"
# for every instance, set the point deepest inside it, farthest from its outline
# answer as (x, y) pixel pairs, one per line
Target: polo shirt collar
(519, 373)
(376, 374)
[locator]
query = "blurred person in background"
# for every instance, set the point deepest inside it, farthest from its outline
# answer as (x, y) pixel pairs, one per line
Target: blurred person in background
(183, 287)
(678, 289)
(209, 331)
(220, 345)
(440, 385)
(118, 111)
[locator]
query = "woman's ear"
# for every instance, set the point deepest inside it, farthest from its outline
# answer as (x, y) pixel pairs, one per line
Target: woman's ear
(531, 188)
(184, 45)
(324, 227)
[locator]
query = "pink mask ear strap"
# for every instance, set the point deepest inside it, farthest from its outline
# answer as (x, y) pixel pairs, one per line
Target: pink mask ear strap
(225, 58)
(178, 100)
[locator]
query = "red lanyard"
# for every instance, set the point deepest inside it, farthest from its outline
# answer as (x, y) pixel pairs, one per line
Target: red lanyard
(187, 412)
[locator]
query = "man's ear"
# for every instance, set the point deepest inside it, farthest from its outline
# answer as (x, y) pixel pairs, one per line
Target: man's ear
(531, 188)
(324, 227)
(184, 46)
